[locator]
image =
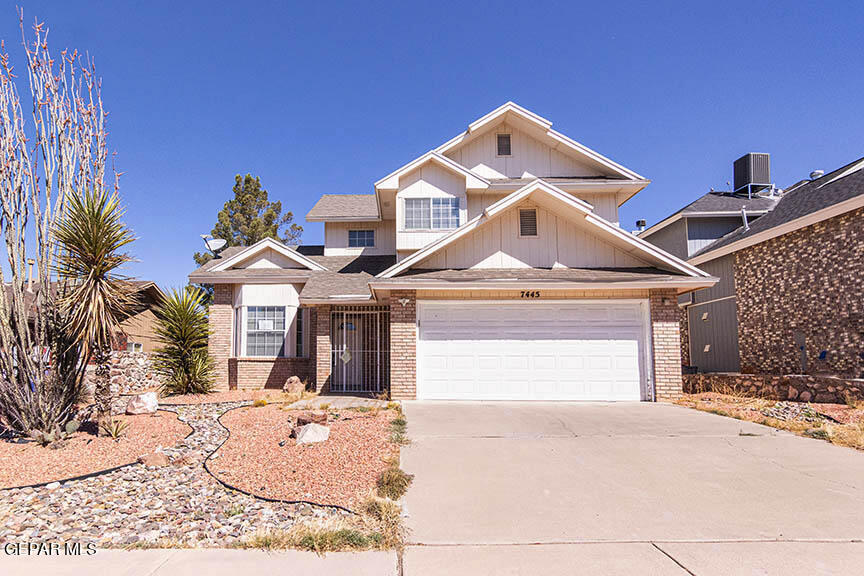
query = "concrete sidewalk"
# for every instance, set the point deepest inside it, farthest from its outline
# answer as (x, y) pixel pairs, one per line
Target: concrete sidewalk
(207, 562)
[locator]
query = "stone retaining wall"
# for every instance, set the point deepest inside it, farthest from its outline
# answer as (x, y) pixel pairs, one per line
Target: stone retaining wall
(131, 373)
(803, 388)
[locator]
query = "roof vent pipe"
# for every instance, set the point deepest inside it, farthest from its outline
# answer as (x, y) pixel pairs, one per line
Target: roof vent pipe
(744, 218)
(640, 225)
(816, 174)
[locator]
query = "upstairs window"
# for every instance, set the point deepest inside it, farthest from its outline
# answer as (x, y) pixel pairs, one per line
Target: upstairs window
(528, 222)
(361, 238)
(431, 213)
(503, 144)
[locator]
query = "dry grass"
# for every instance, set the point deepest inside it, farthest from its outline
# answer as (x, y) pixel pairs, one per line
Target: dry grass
(393, 483)
(741, 407)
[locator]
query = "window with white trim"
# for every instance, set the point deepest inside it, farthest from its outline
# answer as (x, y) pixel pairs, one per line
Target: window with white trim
(361, 238)
(265, 331)
(503, 144)
(134, 346)
(528, 222)
(431, 213)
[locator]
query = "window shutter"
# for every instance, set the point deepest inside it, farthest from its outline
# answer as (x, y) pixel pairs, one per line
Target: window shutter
(528, 222)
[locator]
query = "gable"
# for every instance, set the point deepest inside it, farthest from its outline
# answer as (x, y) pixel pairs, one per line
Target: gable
(530, 157)
(430, 181)
(268, 258)
(560, 242)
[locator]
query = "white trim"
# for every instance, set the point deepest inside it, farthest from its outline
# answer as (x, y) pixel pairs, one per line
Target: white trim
(813, 218)
(374, 238)
(686, 282)
(647, 352)
(343, 219)
(695, 304)
(472, 181)
(261, 246)
(497, 153)
(248, 279)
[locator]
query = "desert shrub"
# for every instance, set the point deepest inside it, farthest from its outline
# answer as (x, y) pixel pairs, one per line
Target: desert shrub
(182, 328)
(393, 483)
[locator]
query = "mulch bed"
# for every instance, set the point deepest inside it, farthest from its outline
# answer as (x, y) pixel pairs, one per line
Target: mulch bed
(341, 471)
(85, 452)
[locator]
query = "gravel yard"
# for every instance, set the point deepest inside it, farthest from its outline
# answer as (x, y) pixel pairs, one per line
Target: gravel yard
(85, 452)
(262, 459)
(225, 396)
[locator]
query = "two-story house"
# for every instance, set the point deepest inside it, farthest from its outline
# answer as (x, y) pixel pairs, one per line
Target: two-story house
(491, 267)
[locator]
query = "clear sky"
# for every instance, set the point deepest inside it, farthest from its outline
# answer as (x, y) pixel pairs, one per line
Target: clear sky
(317, 98)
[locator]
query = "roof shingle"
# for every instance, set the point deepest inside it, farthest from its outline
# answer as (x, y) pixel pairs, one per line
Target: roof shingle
(344, 207)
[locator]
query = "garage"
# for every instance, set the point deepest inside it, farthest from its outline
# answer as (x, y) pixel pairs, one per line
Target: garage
(532, 350)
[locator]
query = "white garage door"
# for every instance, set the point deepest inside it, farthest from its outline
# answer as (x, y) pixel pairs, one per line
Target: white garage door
(531, 350)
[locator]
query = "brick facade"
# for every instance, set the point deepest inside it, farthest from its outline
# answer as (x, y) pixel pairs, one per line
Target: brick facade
(403, 344)
(666, 339)
(221, 326)
(257, 373)
(808, 285)
(321, 344)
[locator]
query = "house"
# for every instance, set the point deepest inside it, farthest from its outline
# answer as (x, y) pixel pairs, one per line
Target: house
(693, 228)
(138, 328)
(491, 267)
(791, 285)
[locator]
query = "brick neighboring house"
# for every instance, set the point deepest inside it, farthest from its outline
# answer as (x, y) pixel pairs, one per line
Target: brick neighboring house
(791, 284)
(491, 267)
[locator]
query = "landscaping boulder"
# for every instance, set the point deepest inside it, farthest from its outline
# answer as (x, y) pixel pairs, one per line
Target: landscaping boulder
(146, 403)
(311, 433)
(153, 460)
(316, 417)
(294, 386)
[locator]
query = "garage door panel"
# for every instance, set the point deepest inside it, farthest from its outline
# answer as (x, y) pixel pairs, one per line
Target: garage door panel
(525, 351)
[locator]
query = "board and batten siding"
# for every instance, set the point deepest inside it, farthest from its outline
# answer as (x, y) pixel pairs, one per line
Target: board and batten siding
(529, 157)
(428, 181)
(336, 238)
(559, 242)
(269, 258)
(704, 231)
(605, 205)
(713, 321)
(671, 238)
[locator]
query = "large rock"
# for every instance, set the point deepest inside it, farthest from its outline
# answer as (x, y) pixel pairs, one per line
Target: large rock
(294, 386)
(312, 433)
(146, 403)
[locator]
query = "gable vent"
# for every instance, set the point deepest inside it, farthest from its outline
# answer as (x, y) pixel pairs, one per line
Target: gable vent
(528, 222)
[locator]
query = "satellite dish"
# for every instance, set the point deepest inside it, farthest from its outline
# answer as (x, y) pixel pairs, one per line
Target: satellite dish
(214, 245)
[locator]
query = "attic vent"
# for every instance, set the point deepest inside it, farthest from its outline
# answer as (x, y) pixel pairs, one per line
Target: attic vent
(503, 144)
(528, 222)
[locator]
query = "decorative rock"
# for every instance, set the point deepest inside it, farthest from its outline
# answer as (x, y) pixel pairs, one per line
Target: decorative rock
(146, 403)
(316, 417)
(153, 459)
(293, 386)
(52, 486)
(312, 433)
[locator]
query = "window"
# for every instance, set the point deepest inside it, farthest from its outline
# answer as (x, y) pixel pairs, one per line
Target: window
(528, 222)
(503, 144)
(361, 238)
(431, 213)
(299, 325)
(134, 347)
(265, 331)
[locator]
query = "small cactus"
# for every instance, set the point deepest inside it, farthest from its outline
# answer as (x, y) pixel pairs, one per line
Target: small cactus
(72, 426)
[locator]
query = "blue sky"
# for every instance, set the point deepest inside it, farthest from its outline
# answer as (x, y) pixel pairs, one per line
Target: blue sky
(317, 97)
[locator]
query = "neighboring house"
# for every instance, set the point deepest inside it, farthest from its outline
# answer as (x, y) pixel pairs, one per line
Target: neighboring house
(491, 267)
(138, 328)
(693, 228)
(791, 285)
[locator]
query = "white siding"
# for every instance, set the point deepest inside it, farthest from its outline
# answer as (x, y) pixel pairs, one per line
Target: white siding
(428, 181)
(529, 157)
(269, 259)
(605, 205)
(336, 238)
(560, 242)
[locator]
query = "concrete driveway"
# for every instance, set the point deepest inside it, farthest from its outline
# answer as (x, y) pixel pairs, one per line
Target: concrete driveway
(519, 488)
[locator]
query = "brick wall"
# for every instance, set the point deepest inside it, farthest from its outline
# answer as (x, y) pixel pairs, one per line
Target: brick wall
(219, 344)
(666, 339)
(257, 373)
(321, 343)
(808, 282)
(403, 345)
(684, 326)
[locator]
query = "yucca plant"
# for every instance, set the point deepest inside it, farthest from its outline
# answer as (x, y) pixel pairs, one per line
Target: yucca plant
(92, 235)
(113, 428)
(183, 360)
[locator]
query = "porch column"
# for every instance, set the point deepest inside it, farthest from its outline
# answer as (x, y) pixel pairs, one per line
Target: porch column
(221, 329)
(403, 344)
(322, 349)
(666, 339)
